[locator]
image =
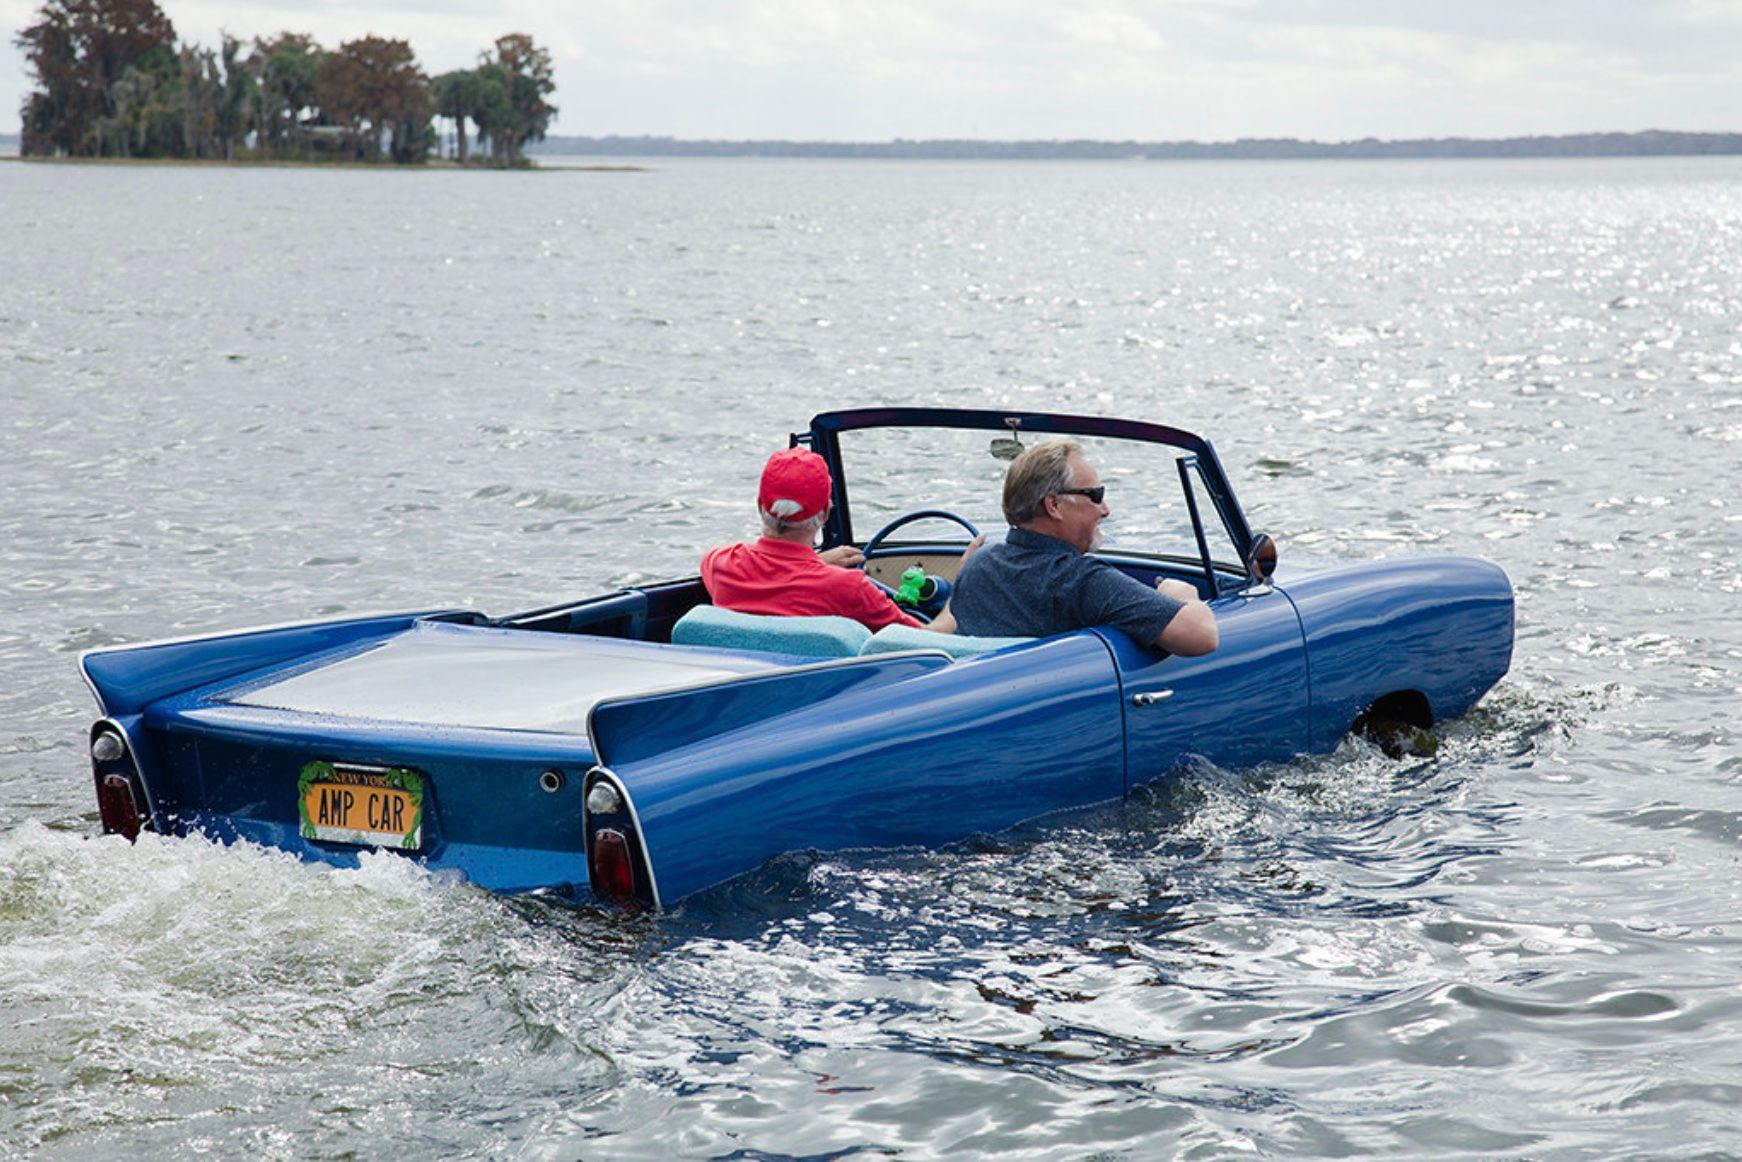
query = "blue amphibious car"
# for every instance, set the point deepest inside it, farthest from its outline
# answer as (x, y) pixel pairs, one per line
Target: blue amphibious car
(643, 745)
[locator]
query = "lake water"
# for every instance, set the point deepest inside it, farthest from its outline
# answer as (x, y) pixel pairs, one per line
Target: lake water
(254, 395)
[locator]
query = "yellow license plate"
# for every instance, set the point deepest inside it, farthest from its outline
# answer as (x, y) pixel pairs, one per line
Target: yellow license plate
(346, 803)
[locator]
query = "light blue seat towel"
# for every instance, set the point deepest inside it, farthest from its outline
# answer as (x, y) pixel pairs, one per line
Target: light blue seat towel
(814, 637)
(893, 638)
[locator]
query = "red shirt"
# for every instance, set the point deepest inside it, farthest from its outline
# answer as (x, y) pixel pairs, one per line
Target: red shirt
(789, 580)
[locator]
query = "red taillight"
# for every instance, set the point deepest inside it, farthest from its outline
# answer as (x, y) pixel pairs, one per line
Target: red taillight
(612, 869)
(120, 810)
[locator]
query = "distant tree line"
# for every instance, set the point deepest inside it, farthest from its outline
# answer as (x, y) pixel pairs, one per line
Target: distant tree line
(1649, 143)
(113, 82)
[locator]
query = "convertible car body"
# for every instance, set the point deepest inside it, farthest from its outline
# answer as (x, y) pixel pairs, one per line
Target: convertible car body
(642, 745)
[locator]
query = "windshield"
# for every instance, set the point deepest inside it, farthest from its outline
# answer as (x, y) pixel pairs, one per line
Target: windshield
(890, 471)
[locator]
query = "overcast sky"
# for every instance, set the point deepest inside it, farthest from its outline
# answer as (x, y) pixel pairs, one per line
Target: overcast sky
(1147, 70)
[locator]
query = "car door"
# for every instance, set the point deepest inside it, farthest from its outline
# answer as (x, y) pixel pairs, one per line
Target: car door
(1246, 703)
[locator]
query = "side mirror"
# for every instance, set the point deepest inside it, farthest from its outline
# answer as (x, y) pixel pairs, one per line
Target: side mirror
(1261, 558)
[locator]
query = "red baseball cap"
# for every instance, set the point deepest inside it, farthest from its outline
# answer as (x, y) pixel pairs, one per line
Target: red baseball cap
(795, 485)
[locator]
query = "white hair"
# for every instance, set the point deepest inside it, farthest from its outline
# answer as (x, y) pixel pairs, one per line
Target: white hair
(778, 527)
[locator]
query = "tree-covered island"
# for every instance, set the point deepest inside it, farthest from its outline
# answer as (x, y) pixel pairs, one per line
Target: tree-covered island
(112, 81)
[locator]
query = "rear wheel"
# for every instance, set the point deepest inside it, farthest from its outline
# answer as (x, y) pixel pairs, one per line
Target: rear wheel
(1399, 724)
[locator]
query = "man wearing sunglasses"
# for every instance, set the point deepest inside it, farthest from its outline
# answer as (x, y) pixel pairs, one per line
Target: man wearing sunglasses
(1042, 579)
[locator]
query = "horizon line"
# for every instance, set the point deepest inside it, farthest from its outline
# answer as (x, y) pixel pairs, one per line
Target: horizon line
(1648, 142)
(1247, 139)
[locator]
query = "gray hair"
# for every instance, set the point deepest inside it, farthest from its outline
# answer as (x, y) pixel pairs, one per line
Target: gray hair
(1041, 471)
(776, 527)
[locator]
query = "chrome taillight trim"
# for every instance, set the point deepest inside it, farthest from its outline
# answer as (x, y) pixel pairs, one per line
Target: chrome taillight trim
(127, 764)
(602, 773)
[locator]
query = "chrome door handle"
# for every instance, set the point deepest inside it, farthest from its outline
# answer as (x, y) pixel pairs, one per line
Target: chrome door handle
(1151, 697)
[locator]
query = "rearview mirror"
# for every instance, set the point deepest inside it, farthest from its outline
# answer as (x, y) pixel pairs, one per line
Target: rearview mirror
(1261, 558)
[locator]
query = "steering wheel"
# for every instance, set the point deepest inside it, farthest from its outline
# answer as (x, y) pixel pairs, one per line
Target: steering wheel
(878, 537)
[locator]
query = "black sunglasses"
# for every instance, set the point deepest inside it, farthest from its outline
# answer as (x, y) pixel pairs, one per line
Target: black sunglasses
(1094, 494)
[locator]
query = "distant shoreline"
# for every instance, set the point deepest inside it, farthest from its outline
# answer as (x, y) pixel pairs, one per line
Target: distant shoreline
(433, 164)
(1650, 143)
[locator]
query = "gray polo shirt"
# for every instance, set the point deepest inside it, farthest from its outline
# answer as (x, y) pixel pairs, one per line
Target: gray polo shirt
(1033, 585)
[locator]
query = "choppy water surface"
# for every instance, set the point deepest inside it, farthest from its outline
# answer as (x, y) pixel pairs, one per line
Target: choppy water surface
(256, 395)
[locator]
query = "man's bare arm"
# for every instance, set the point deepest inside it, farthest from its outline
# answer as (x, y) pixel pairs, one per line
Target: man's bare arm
(1193, 630)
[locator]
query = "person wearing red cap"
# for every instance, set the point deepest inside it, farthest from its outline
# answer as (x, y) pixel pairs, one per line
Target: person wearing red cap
(783, 574)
